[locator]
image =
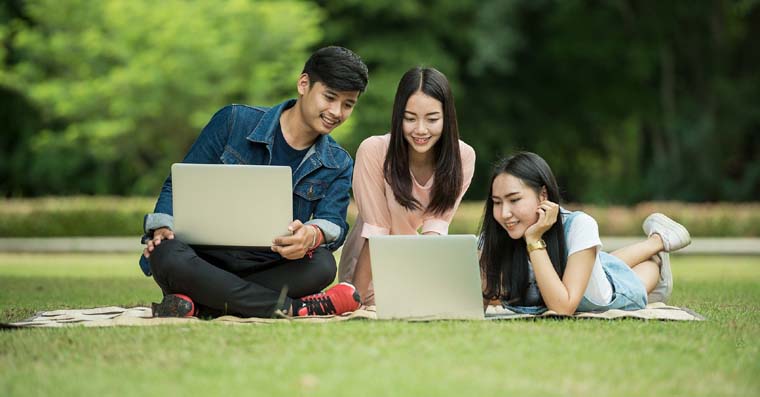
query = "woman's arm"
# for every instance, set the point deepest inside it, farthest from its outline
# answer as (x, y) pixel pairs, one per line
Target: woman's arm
(369, 194)
(560, 295)
(369, 187)
(563, 296)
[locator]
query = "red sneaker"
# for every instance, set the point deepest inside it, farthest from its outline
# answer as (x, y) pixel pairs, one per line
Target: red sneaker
(338, 299)
(174, 305)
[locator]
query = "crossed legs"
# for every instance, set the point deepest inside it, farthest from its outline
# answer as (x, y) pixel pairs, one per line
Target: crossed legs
(640, 257)
(239, 282)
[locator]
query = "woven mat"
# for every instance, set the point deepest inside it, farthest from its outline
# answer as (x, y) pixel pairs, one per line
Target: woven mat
(141, 316)
(653, 311)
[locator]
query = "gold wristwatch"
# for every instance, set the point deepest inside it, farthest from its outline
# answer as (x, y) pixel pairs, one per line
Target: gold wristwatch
(536, 245)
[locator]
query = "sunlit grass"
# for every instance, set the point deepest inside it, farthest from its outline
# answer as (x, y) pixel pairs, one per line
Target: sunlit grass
(549, 357)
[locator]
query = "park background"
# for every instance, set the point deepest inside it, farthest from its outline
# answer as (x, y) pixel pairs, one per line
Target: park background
(629, 101)
(638, 106)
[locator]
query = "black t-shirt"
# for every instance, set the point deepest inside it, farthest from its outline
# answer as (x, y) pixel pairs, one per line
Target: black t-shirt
(284, 154)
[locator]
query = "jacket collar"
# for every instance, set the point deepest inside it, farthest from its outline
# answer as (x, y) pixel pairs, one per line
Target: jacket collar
(264, 133)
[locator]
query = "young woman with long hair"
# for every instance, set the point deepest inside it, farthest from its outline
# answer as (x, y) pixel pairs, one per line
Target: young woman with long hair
(411, 180)
(535, 255)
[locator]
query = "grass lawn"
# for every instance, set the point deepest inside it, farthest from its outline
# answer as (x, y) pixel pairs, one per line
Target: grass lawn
(720, 356)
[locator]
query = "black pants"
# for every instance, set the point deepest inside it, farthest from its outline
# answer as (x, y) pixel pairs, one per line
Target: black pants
(245, 283)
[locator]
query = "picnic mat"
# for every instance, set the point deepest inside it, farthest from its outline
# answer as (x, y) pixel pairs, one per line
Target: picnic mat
(140, 316)
(653, 311)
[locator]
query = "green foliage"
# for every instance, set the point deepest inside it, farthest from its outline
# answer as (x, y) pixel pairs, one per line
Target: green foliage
(119, 216)
(15, 150)
(413, 33)
(702, 220)
(628, 100)
(123, 87)
(74, 216)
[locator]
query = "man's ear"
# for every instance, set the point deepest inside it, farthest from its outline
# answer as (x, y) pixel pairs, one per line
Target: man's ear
(303, 84)
(543, 195)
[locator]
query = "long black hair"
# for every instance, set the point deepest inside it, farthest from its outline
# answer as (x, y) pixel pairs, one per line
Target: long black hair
(447, 184)
(504, 261)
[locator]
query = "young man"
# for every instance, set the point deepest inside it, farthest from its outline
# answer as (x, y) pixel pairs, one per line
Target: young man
(295, 133)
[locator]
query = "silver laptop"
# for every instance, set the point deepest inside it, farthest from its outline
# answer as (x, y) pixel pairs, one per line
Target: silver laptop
(426, 277)
(231, 205)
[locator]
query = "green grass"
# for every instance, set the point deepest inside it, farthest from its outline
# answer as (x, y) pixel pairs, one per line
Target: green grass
(551, 357)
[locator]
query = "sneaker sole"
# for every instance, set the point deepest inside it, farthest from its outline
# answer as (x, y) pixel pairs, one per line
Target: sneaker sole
(172, 306)
(658, 219)
(664, 287)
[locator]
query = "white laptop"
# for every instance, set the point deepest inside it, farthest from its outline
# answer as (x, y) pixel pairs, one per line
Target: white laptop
(426, 277)
(231, 205)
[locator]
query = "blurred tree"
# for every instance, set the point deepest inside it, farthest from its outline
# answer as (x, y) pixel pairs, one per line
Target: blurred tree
(628, 100)
(392, 37)
(704, 132)
(17, 116)
(122, 87)
(569, 92)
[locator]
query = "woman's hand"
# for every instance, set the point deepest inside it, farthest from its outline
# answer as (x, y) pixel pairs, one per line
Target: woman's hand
(547, 216)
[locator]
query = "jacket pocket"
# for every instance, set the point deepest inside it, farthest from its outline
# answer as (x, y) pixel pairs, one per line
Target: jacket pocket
(311, 189)
(230, 156)
(306, 195)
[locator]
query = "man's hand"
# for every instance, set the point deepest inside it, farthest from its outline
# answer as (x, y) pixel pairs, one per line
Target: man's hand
(163, 233)
(296, 245)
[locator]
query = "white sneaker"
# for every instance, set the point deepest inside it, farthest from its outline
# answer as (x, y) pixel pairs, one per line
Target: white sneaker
(664, 287)
(674, 236)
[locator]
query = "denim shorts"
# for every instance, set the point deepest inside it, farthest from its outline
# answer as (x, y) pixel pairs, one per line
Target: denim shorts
(628, 291)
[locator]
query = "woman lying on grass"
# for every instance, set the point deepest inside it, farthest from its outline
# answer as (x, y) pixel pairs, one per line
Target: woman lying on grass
(550, 258)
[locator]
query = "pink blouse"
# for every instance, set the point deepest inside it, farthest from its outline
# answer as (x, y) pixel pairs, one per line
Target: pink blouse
(380, 213)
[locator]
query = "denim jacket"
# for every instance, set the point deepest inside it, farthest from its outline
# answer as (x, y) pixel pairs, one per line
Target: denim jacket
(239, 134)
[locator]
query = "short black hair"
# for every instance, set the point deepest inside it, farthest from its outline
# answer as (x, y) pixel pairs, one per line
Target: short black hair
(338, 68)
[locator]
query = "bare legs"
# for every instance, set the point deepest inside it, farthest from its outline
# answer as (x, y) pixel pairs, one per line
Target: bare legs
(363, 276)
(649, 273)
(640, 257)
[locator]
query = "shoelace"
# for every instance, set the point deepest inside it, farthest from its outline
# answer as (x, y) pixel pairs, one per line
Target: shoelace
(320, 305)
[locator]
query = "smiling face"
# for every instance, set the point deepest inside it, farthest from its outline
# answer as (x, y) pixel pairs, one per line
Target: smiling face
(322, 107)
(423, 122)
(515, 204)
